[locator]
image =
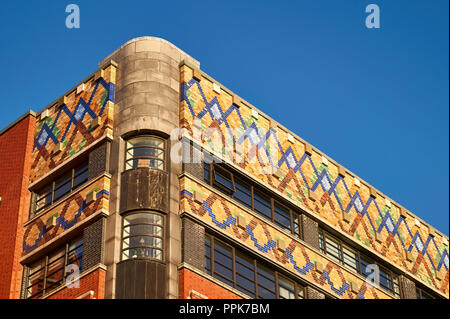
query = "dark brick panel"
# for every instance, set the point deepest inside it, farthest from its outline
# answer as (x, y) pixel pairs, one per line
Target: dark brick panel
(98, 160)
(408, 288)
(193, 244)
(141, 279)
(312, 293)
(192, 163)
(93, 244)
(310, 230)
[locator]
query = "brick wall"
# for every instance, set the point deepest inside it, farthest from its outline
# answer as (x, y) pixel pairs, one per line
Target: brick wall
(95, 281)
(15, 151)
(194, 286)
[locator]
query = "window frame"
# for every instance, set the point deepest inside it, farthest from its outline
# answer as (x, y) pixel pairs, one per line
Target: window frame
(393, 277)
(294, 216)
(149, 157)
(46, 289)
(162, 236)
(299, 288)
(52, 188)
(420, 292)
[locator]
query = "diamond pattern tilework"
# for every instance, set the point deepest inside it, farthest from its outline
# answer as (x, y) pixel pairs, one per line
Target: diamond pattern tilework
(69, 212)
(219, 212)
(300, 172)
(71, 124)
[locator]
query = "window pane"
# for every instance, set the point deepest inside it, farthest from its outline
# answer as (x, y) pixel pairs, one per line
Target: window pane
(145, 151)
(146, 141)
(139, 233)
(75, 255)
(63, 186)
(35, 283)
(350, 258)
(286, 288)
(321, 242)
(44, 198)
(244, 266)
(223, 178)
(245, 285)
(242, 196)
(137, 241)
(262, 206)
(282, 216)
(264, 293)
(333, 248)
(296, 225)
(134, 230)
(266, 282)
(206, 173)
(140, 218)
(142, 252)
(80, 176)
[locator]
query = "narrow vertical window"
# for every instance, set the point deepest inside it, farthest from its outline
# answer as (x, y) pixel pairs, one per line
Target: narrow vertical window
(145, 151)
(142, 236)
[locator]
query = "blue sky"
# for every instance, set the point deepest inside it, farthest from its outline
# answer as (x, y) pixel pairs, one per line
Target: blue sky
(375, 100)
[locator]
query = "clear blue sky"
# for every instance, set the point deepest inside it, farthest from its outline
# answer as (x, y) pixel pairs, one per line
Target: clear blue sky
(375, 100)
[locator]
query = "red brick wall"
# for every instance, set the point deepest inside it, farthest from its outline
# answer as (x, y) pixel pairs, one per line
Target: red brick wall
(15, 153)
(189, 281)
(94, 281)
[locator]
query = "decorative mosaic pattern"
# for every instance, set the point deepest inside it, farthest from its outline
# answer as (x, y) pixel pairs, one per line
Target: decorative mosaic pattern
(72, 124)
(405, 242)
(67, 214)
(222, 214)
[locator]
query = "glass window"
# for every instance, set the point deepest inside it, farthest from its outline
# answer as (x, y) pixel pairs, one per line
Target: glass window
(238, 270)
(142, 236)
(262, 205)
(245, 274)
(44, 197)
(286, 288)
(243, 193)
(266, 282)
(49, 272)
(63, 186)
(145, 151)
(282, 216)
(55, 190)
(351, 258)
(421, 294)
(80, 175)
(333, 248)
(223, 179)
(241, 189)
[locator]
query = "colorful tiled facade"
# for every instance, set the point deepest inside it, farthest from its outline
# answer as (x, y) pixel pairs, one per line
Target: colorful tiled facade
(116, 123)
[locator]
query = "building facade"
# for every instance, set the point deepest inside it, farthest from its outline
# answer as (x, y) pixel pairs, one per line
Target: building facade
(150, 179)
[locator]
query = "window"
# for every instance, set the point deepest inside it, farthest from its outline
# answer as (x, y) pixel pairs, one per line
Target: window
(51, 271)
(142, 236)
(57, 189)
(421, 294)
(252, 197)
(248, 275)
(353, 259)
(145, 151)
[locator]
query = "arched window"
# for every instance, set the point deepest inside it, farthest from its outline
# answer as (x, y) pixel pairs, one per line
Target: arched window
(145, 151)
(142, 235)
